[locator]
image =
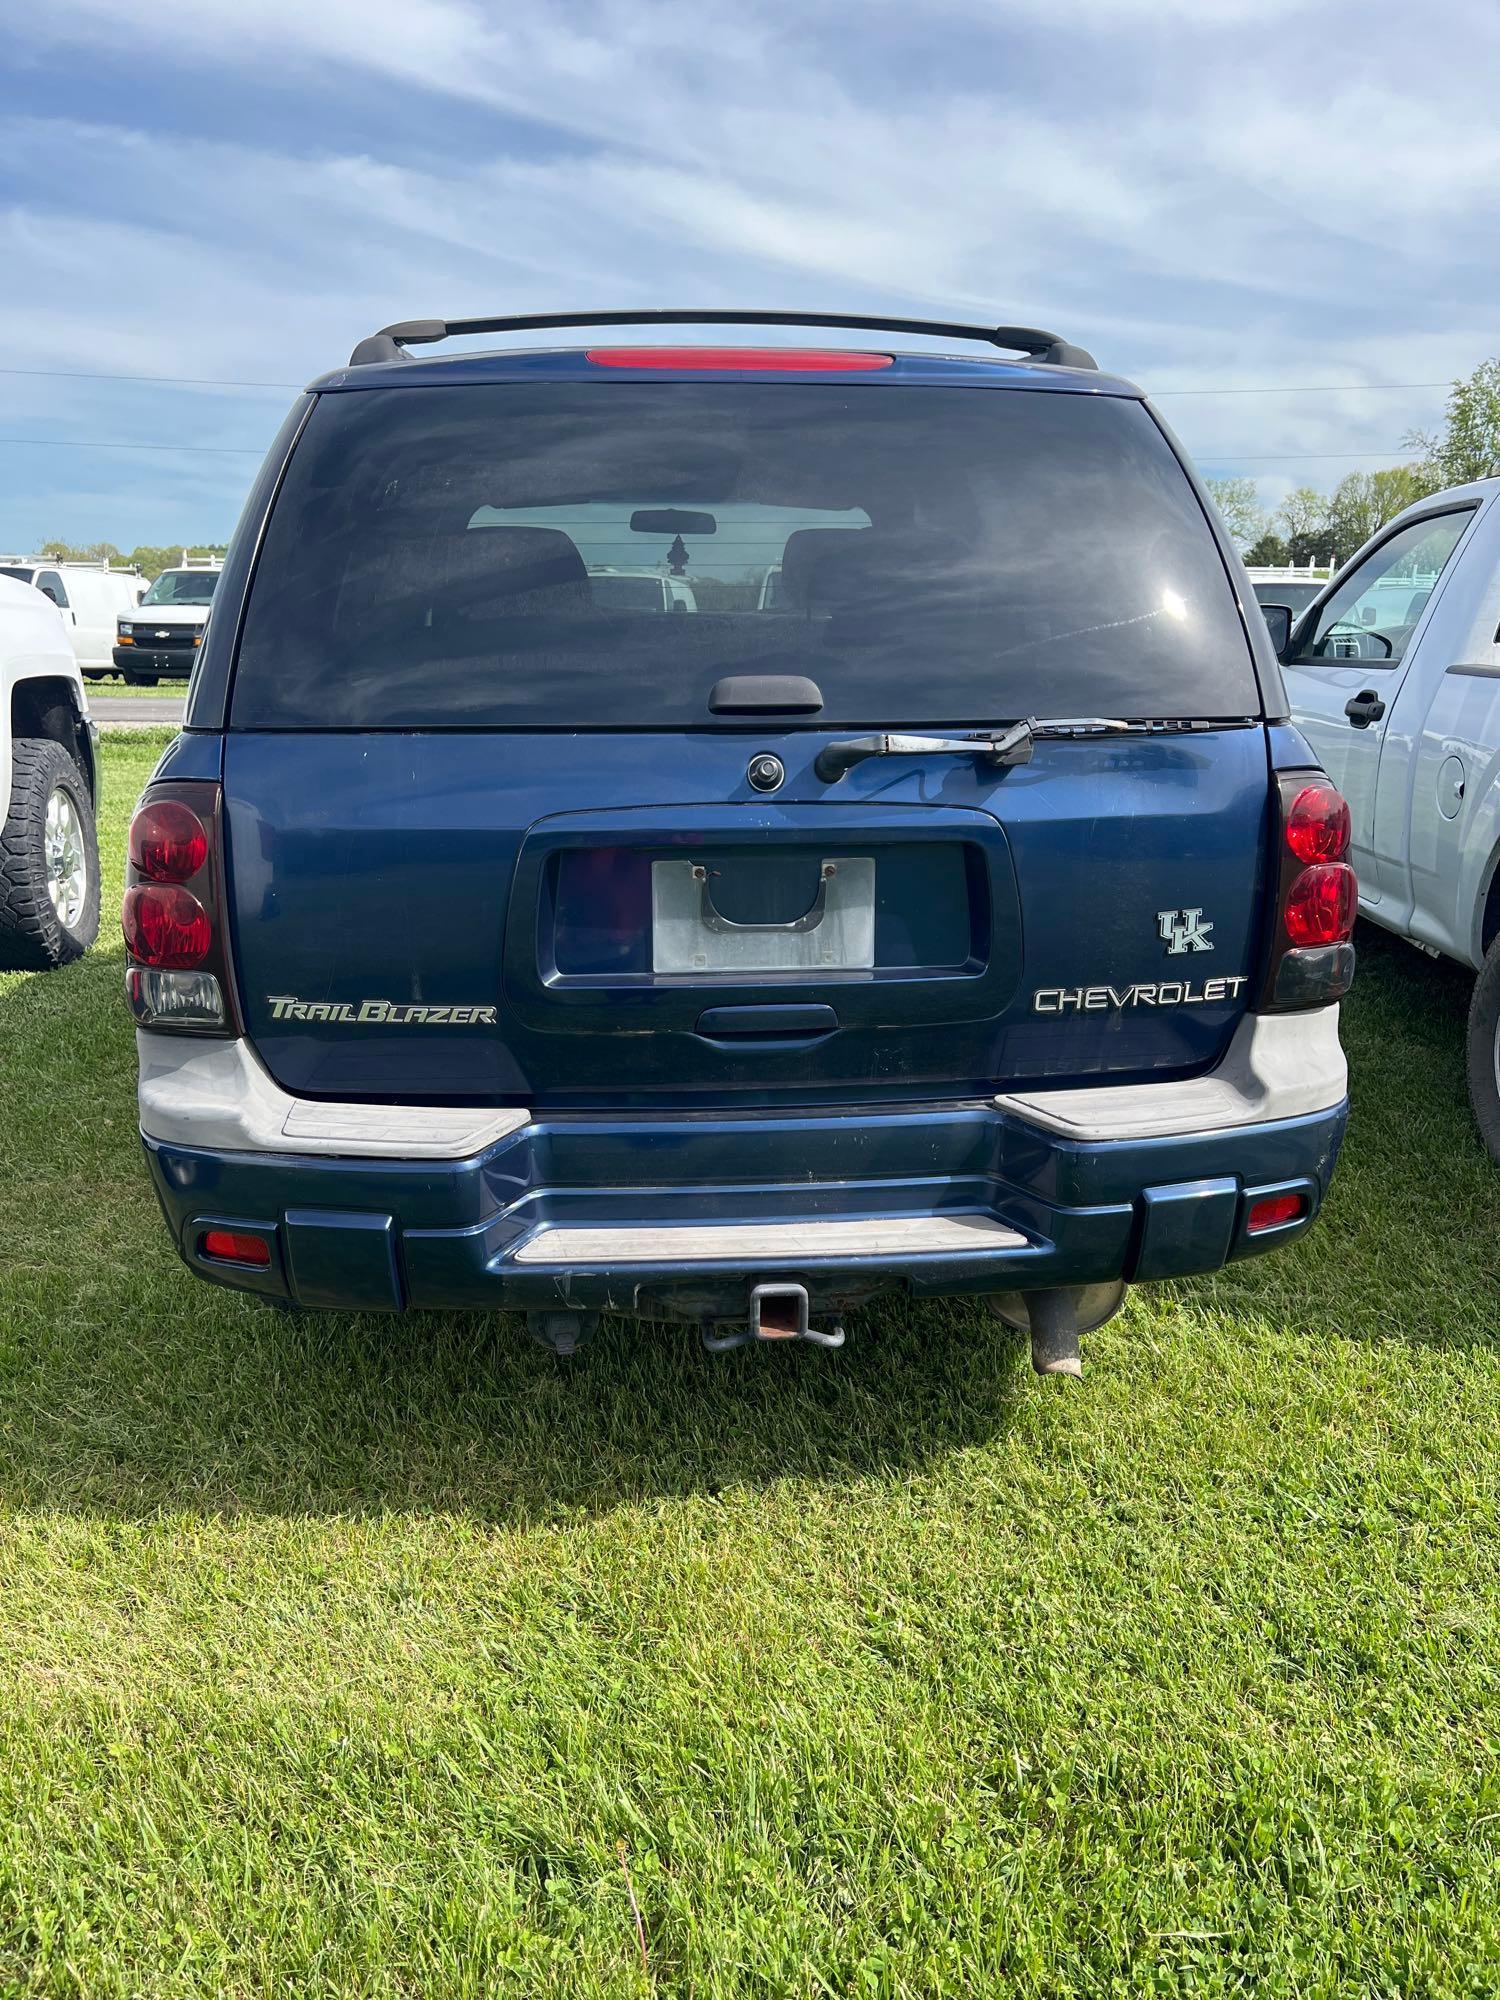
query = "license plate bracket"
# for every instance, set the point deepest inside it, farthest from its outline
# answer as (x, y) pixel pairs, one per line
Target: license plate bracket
(835, 933)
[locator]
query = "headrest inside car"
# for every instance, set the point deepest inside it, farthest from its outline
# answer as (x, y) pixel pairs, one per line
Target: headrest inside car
(841, 572)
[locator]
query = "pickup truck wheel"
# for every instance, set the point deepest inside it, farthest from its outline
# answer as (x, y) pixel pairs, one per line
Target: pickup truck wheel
(1484, 1051)
(49, 861)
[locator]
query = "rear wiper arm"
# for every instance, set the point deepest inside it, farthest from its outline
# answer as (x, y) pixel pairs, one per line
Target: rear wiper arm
(1009, 746)
(1006, 747)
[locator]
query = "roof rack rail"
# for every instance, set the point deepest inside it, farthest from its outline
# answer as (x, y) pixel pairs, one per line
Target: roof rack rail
(391, 342)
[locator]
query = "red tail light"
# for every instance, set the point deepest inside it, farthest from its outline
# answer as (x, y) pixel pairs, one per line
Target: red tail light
(1317, 897)
(734, 360)
(1317, 823)
(178, 979)
(231, 1246)
(1321, 904)
(166, 926)
(168, 841)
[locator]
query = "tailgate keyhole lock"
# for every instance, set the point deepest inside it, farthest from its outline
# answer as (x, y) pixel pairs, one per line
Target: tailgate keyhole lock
(767, 772)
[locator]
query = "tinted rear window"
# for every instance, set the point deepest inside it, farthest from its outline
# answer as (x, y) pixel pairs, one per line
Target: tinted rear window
(936, 555)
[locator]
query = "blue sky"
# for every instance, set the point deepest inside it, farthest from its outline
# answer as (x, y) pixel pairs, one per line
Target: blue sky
(1210, 194)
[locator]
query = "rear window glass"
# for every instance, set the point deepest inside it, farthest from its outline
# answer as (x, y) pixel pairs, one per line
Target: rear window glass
(485, 555)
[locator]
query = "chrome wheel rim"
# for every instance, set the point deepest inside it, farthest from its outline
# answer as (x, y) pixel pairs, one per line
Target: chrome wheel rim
(67, 863)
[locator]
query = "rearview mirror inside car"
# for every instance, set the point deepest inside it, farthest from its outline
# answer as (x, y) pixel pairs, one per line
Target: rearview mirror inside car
(671, 521)
(1279, 625)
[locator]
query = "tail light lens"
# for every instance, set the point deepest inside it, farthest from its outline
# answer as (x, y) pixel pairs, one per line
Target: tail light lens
(166, 926)
(168, 841)
(1317, 897)
(1321, 904)
(1317, 823)
(178, 979)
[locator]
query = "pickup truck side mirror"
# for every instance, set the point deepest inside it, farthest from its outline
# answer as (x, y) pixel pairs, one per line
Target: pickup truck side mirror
(1279, 625)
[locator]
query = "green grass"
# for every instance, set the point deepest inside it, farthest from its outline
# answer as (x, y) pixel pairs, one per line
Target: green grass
(353, 1656)
(111, 684)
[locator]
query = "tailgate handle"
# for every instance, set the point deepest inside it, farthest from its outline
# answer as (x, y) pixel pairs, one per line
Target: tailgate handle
(765, 694)
(770, 1027)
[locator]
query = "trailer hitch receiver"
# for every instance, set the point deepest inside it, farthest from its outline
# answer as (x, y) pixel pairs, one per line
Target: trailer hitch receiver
(778, 1311)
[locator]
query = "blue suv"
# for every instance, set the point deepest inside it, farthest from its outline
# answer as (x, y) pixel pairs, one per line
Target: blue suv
(724, 833)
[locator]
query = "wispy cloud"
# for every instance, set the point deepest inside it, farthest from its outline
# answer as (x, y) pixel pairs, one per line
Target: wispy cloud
(296, 172)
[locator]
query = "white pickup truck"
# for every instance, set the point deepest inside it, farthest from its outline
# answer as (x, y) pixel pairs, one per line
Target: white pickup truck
(1393, 674)
(49, 856)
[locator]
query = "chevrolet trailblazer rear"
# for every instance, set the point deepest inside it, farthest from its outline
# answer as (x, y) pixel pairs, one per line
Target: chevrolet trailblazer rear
(723, 834)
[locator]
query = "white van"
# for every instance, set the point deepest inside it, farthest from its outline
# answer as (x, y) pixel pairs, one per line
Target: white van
(90, 596)
(617, 589)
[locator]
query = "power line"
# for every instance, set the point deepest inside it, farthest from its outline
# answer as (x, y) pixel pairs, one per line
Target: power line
(1301, 389)
(258, 451)
(128, 444)
(1273, 457)
(177, 381)
(1209, 389)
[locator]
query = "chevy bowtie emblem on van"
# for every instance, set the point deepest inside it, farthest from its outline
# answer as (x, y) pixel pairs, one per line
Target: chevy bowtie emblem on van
(1183, 930)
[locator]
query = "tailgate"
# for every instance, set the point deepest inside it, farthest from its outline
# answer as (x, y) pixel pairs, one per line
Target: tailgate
(414, 919)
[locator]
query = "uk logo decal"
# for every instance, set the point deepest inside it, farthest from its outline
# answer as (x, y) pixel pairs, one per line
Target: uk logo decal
(1183, 930)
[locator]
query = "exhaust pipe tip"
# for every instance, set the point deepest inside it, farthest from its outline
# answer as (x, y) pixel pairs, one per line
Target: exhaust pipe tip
(1054, 1333)
(1070, 1365)
(1054, 1319)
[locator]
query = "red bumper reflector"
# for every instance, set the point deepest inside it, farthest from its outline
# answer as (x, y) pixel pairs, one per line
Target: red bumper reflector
(1273, 1211)
(760, 360)
(228, 1246)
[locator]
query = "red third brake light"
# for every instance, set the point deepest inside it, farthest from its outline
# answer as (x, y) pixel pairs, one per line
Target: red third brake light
(231, 1246)
(1317, 825)
(736, 360)
(1321, 904)
(168, 842)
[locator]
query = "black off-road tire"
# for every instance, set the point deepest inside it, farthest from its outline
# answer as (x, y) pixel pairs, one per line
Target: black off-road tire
(1484, 1051)
(33, 937)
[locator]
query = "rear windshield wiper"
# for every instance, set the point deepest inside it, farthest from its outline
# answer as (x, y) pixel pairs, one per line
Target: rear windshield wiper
(1003, 749)
(1009, 746)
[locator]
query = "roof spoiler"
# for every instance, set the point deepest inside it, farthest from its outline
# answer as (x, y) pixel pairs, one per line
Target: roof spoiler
(391, 343)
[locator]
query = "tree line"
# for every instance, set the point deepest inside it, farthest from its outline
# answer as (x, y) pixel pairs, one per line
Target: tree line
(148, 560)
(1325, 529)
